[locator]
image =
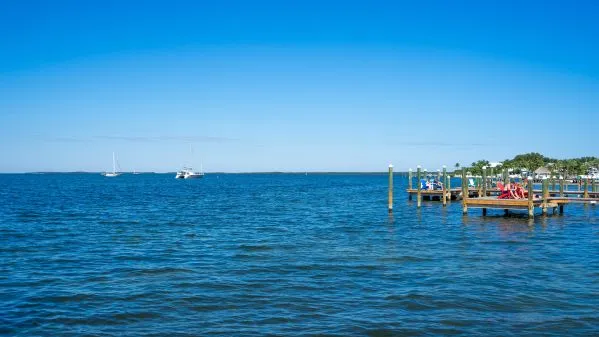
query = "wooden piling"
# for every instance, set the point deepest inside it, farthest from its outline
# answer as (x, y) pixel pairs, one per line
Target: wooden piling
(390, 188)
(553, 183)
(464, 192)
(484, 181)
(586, 188)
(594, 185)
(444, 198)
(545, 195)
(561, 186)
(506, 177)
(410, 179)
(419, 188)
(531, 207)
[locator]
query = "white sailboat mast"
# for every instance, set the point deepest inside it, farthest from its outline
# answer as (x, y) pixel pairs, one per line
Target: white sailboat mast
(113, 163)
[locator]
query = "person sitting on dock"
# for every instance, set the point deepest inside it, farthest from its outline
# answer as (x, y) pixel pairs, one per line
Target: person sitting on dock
(504, 193)
(519, 192)
(508, 192)
(424, 184)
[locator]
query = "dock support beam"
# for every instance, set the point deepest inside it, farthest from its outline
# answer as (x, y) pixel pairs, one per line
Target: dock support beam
(418, 187)
(444, 197)
(531, 206)
(561, 186)
(545, 195)
(561, 209)
(449, 186)
(390, 188)
(410, 177)
(484, 212)
(586, 188)
(464, 192)
(484, 181)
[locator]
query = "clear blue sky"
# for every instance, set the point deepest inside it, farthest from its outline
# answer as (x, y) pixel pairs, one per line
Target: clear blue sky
(294, 85)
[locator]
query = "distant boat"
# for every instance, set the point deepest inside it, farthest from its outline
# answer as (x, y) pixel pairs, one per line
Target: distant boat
(114, 173)
(135, 172)
(188, 172)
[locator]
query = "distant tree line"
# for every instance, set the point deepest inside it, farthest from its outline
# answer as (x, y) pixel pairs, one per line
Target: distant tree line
(532, 161)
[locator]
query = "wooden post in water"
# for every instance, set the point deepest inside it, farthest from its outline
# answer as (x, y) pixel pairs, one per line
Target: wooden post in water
(506, 177)
(594, 185)
(531, 207)
(449, 186)
(390, 188)
(464, 192)
(553, 183)
(410, 177)
(586, 188)
(484, 181)
(418, 195)
(545, 194)
(561, 186)
(444, 181)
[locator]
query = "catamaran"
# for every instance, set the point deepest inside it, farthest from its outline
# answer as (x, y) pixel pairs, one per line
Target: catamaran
(188, 172)
(114, 173)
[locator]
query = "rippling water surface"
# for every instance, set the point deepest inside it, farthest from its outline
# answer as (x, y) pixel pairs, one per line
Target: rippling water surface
(146, 254)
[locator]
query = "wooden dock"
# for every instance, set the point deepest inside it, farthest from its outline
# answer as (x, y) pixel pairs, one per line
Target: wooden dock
(484, 195)
(505, 204)
(543, 199)
(452, 194)
(456, 193)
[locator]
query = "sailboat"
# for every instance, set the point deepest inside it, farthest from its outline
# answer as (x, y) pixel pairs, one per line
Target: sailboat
(114, 173)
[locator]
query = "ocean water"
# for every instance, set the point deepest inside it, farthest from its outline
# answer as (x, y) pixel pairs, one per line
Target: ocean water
(283, 254)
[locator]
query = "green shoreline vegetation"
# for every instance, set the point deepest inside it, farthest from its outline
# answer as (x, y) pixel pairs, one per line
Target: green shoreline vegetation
(533, 161)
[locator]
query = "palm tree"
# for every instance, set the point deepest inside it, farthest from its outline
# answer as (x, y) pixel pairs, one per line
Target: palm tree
(457, 167)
